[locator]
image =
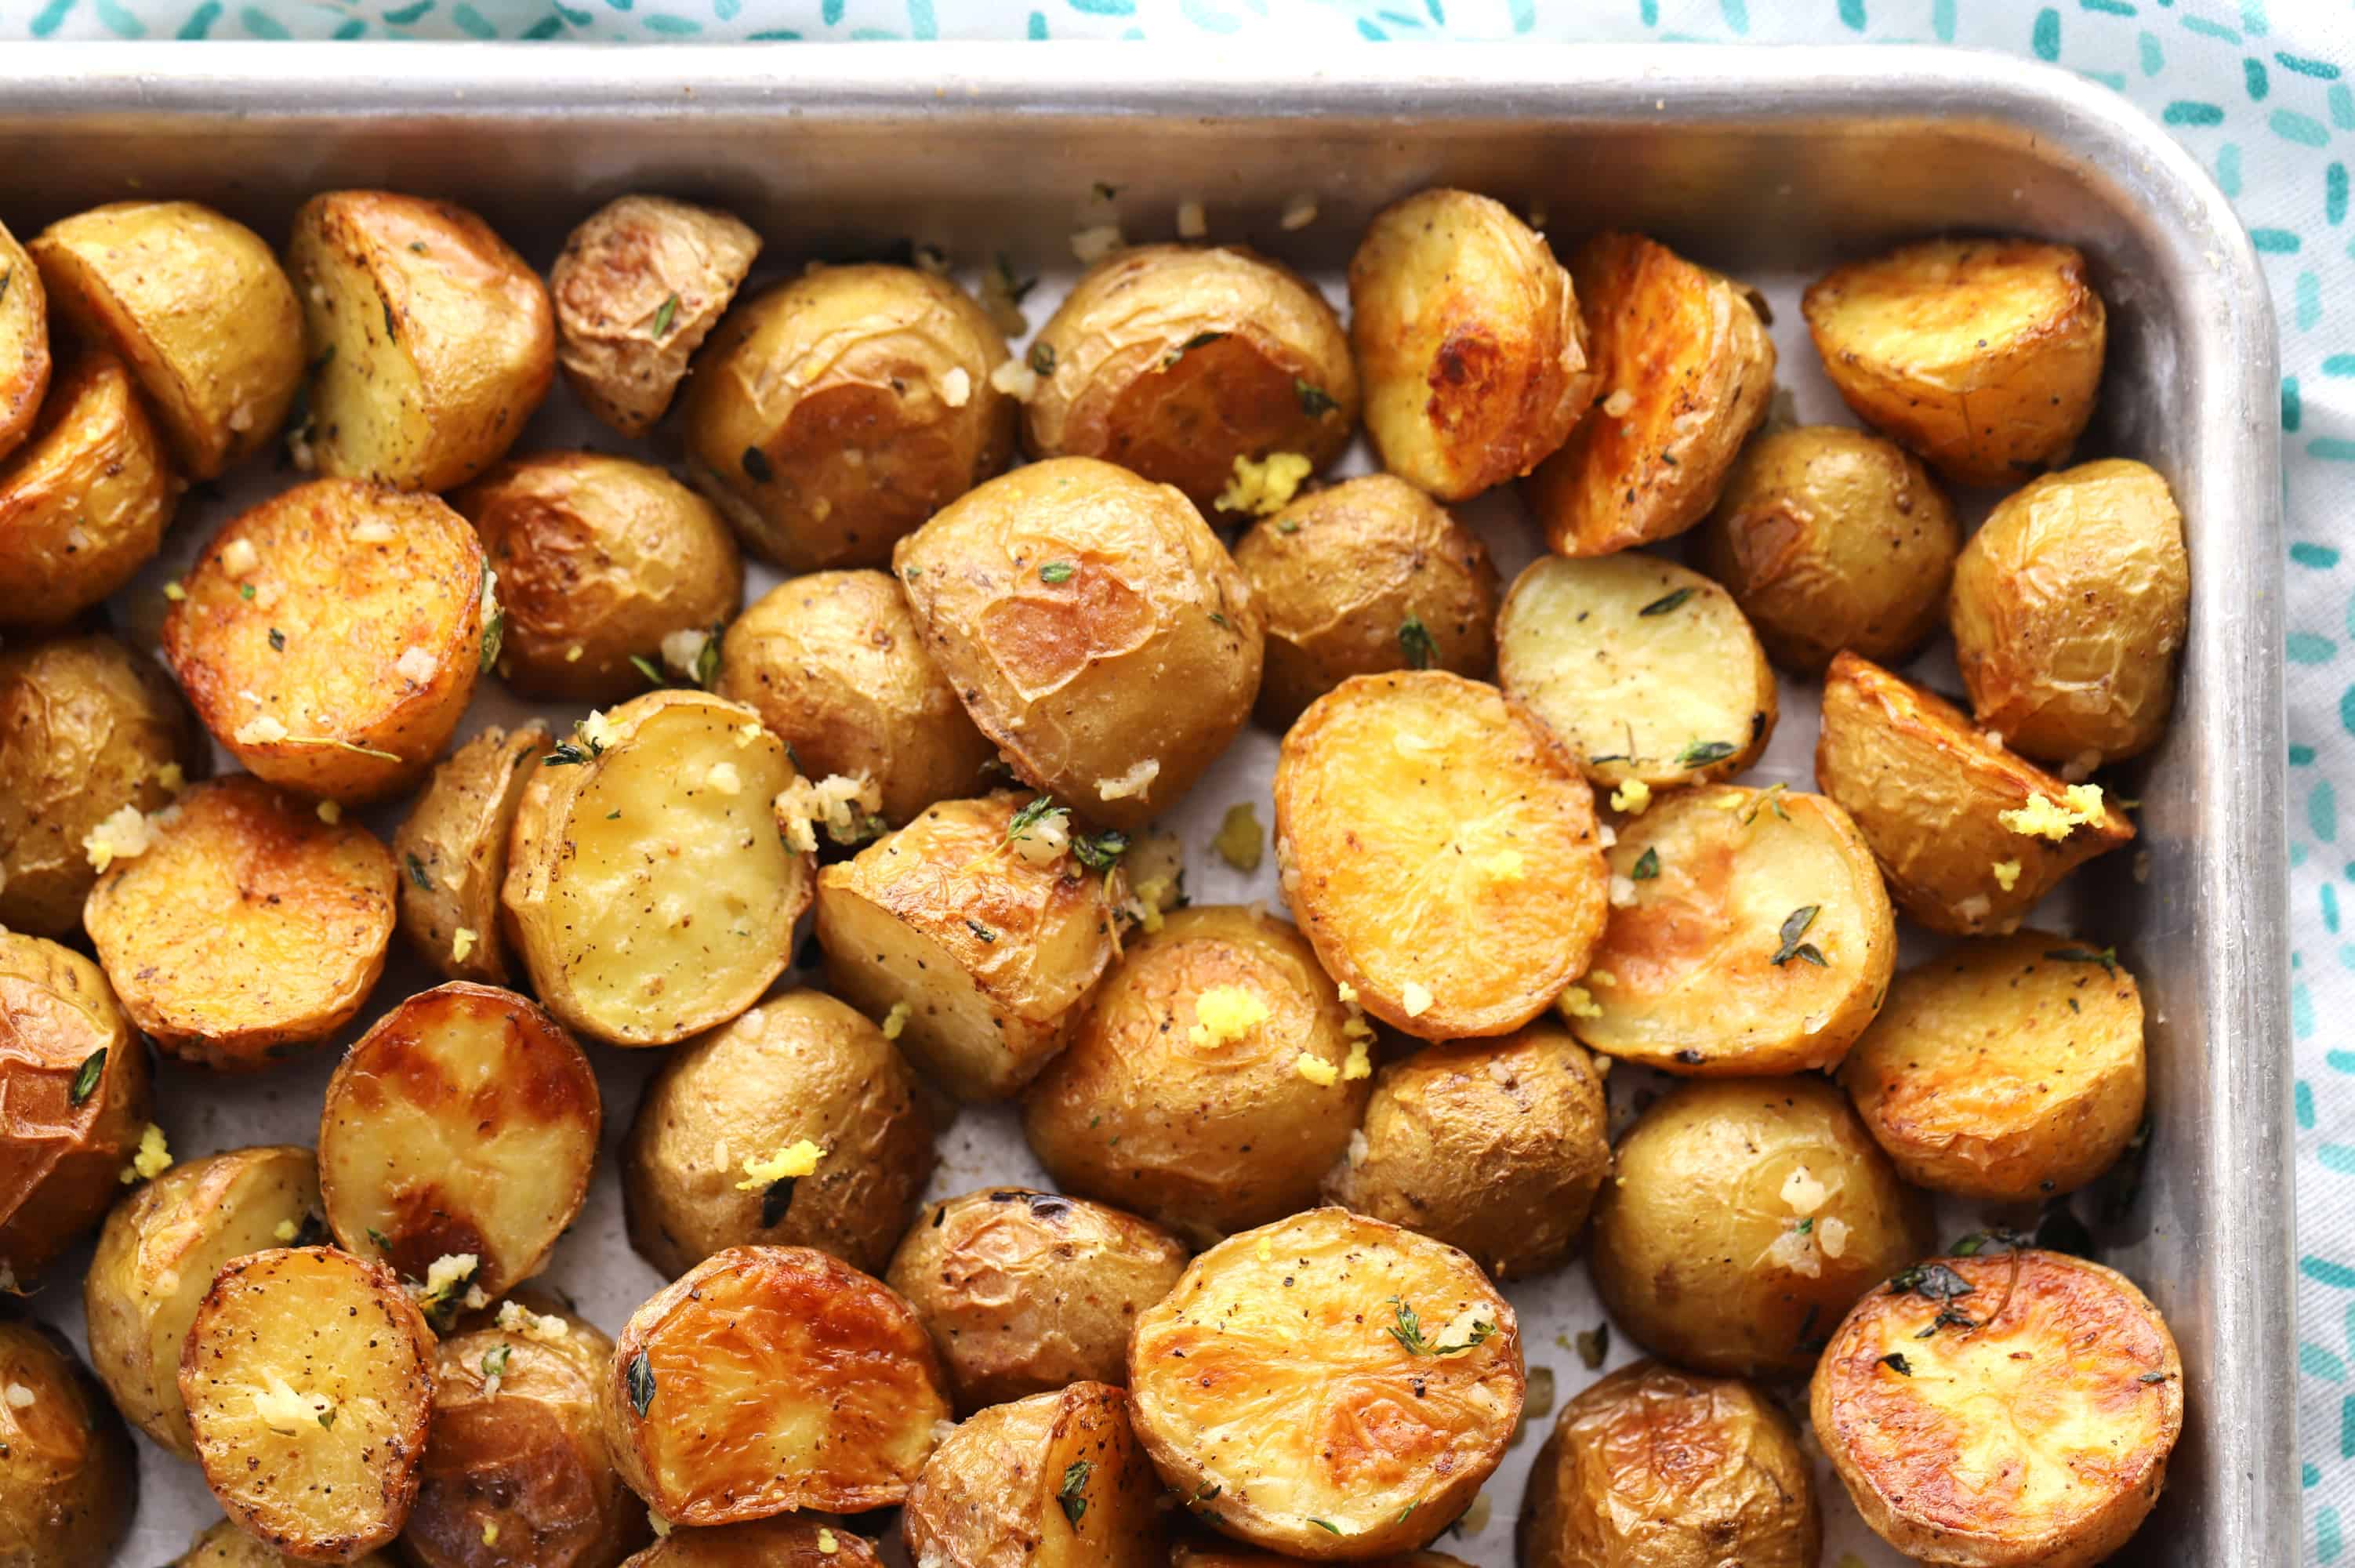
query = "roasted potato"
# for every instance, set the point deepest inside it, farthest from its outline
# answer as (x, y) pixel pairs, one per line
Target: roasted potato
(24, 342)
(1209, 1554)
(453, 852)
(68, 1476)
(2003, 1410)
(1467, 335)
(1831, 538)
(196, 305)
(653, 824)
(1749, 934)
(833, 414)
(796, 1123)
(771, 1379)
(1651, 1468)
(835, 663)
(640, 285)
(1328, 1386)
(1175, 361)
(1439, 849)
(1744, 1216)
(601, 562)
(1057, 1480)
(2006, 1069)
(2068, 606)
(1369, 576)
(1027, 1292)
(788, 1540)
(1682, 370)
(1911, 337)
(1097, 631)
(330, 636)
(1968, 836)
(86, 500)
(980, 928)
(1494, 1146)
(226, 1546)
(158, 1255)
(308, 1379)
(246, 928)
(1642, 668)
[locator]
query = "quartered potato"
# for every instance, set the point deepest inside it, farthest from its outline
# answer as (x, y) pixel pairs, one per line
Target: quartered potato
(1749, 934)
(308, 1379)
(1981, 354)
(226, 1546)
(246, 928)
(1222, 1554)
(24, 342)
(453, 852)
(1681, 373)
(68, 1476)
(1467, 335)
(1439, 849)
(2011, 1409)
(640, 285)
(771, 1379)
(2008, 1068)
(788, 1540)
(330, 636)
(649, 889)
(431, 341)
(1328, 1386)
(1642, 668)
(1057, 1480)
(85, 501)
(1968, 836)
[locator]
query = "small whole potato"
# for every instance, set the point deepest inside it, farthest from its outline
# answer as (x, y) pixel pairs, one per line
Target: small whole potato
(25, 361)
(86, 500)
(453, 852)
(787, 1541)
(1056, 1480)
(226, 1546)
(69, 1475)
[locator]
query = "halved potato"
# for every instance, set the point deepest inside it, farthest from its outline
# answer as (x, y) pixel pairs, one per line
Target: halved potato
(1439, 849)
(68, 1476)
(649, 888)
(1328, 1386)
(1642, 668)
(1057, 1480)
(24, 342)
(1220, 1555)
(639, 285)
(2011, 1409)
(86, 500)
(247, 928)
(771, 1378)
(1981, 354)
(788, 1540)
(453, 852)
(226, 1546)
(1968, 836)
(308, 1379)
(1681, 375)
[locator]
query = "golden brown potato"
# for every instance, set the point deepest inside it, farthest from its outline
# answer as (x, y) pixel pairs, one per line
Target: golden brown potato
(1831, 538)
(980, 928)
(196, 305)
(1097, 631)
(226, 1546)
(24, 342)
(788, 1540)
(771, 1378)
(2068, 606)
(1681, 375)
(2008, 1070)
(1494, 1146)
(835, 663)
(1057, 1480)
(1026, 1292)
(330, 636)
(68, 1476)
(602, 562)
(308, 1379)
(1467, 334)
(1968, 836)
(1439, 849)
(642, 282)
(86, 500)
(1175, 361)
(1210, 1554)
(1914, 337)
(1745, 1216)
(247, 928)
(1651, 1468)
(1328, 1386)
(796, 1123)
(453, 852)
(660, 808)
(1368, 576)
(833, 414)
(2004, 1410)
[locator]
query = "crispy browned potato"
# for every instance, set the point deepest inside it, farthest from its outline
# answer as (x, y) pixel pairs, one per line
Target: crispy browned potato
(640, 285)
(771, 1378)
(2011, 1409)
(247, 928)
(451, 848)
(24, 342)
(86, 500)
(226, 1546)
(68, 1476)
(1220, 1554)
(788, 1540)
(1056, 1480)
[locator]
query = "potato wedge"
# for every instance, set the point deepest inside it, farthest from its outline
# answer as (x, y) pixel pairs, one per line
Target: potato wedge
(451, 848)
(24, 342)
(68, 1476)
(1220, 1555)
(1439, 850)
(788, 1540)
(226, 1546)
(1057, 1480)
(641, 284)
(771, 1378)
(247, 929)
(85, 501)
(1998, 1411)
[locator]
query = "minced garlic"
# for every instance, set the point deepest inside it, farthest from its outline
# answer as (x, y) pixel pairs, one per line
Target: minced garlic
(1632, 798)
(2007, 874)
(1193, 222)
(1298, 213)
(516, 1318)
(1505, 866)
(1096, 242)
(1224, 1014)
(1602, 979)
(1135, 781)
(372, 530)
(448, 1271)
(802, 805)
(1577, 1002)
(1359, 1064)
(260, 729)
(1416, 999)
(414, 666)
(1317, 1070)
(490, 1533)
(660, 1525)
(797, 1159)
(123, 834)
(724, 777)
(1265, 488)
(683, 650)
(153, 1159)
(1239, 841)
(1617, 404)
(330, 813)
(239, 557)
(1621, 892)
(826, 1544)
(462, 942)
(1802, 1190)
(173, 777)
(597, 730)
(281, 1408)
(174, 591)
(2045, 817)
(287, 1231)
(957, 387)
(21, 1397)
(1016, 379)
(897, 1020)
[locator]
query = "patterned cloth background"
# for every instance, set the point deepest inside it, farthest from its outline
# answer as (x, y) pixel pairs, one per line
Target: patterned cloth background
(2263, 92)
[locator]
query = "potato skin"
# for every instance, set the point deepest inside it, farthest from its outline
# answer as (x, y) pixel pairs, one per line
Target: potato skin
(2069, 607)
(451, 849)
(226, 1546)
(85, 501)
(788, 1540)
(1056, 1480)
(68, 1476)
(1222, 1554)
(24, 359)
(640, 285)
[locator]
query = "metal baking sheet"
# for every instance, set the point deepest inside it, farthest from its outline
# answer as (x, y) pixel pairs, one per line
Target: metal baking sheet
(1768, 163)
